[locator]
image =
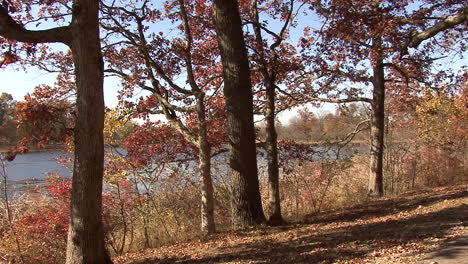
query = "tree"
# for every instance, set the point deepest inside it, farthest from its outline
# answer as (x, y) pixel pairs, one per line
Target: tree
(246, 202)
(46, 116)
(157, 63)
(363, 35)
(274, 62)
(440, 119)
(85, 235)
(7, 125)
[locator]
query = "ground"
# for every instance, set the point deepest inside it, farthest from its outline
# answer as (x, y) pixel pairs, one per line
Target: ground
(454, 252)
(424, 226)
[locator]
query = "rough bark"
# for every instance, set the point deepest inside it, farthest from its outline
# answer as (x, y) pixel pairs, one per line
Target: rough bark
(274, 201)
(86, 236)
(271, 142)
(204, 165)
(377, 126)
(246, 202)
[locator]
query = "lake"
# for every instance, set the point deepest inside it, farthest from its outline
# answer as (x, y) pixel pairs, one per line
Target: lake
(38, 165)
(31, 168)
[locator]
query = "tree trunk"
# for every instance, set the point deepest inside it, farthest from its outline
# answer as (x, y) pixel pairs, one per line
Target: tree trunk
(274, 201)
(269, 79)
(204, 165)
(246, 201)
(86, 234)
(377, 129)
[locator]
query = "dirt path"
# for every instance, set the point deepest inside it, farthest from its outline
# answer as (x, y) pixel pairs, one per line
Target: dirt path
(397, 230)
(453, 252)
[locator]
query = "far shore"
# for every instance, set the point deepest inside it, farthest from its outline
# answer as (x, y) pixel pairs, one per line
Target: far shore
(358, 143)
(4, 148)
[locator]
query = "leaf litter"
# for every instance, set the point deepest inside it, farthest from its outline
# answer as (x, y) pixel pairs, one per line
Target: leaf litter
(400, 229)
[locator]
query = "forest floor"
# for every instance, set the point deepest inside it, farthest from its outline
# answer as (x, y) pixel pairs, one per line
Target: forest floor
(425, 226)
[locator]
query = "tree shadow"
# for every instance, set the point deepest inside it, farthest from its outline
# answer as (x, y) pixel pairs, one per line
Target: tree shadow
(453, 250)
(376, 208)
(333, 244)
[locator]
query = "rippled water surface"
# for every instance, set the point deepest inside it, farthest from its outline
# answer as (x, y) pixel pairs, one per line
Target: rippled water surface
(36, 165)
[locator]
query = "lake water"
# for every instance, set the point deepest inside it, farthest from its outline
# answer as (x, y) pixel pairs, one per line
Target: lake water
(27, 171)
(38, 165)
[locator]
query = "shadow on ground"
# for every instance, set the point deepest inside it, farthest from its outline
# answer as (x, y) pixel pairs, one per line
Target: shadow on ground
(337, 243)
(384, 207)
(454, 252)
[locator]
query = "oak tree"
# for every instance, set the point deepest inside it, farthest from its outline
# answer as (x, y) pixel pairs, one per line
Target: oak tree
(156, 63)
(359, 36)
(86, 235)
(246, 201)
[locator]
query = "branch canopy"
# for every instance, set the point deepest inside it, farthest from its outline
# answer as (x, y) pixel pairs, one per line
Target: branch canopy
(10, 29)
(447, 23)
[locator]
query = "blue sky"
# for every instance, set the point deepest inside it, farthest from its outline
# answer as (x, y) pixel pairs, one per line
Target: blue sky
(18, 83)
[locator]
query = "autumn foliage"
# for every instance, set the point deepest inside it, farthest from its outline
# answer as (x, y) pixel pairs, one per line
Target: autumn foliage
(390, 68)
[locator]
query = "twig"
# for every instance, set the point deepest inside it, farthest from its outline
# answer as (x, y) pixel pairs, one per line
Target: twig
(7, 205)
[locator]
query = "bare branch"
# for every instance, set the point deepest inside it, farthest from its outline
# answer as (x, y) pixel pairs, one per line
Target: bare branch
(285, 26)
(10, 29)
(356, 131)
(447, 23)
(254, 23)
(339, 101)
(307, 99)
(188, 48)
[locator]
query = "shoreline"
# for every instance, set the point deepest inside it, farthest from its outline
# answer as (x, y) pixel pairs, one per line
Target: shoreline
(4, 149)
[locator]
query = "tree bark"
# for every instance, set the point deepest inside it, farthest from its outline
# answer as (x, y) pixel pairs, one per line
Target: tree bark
(86, 234)
(376, 185)
(11, 29)
(204, 165)
(377, 126)
(269, 79)
(274, 201)
(171, 110)
(246, 201)
(447, 23)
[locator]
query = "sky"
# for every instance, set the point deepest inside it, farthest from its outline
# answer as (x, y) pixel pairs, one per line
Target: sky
(17, 82)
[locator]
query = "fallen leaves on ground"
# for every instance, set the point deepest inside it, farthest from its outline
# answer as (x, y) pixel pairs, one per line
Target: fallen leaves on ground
(388, 230)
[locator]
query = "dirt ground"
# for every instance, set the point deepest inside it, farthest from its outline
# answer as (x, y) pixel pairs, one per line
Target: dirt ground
(453, 252)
